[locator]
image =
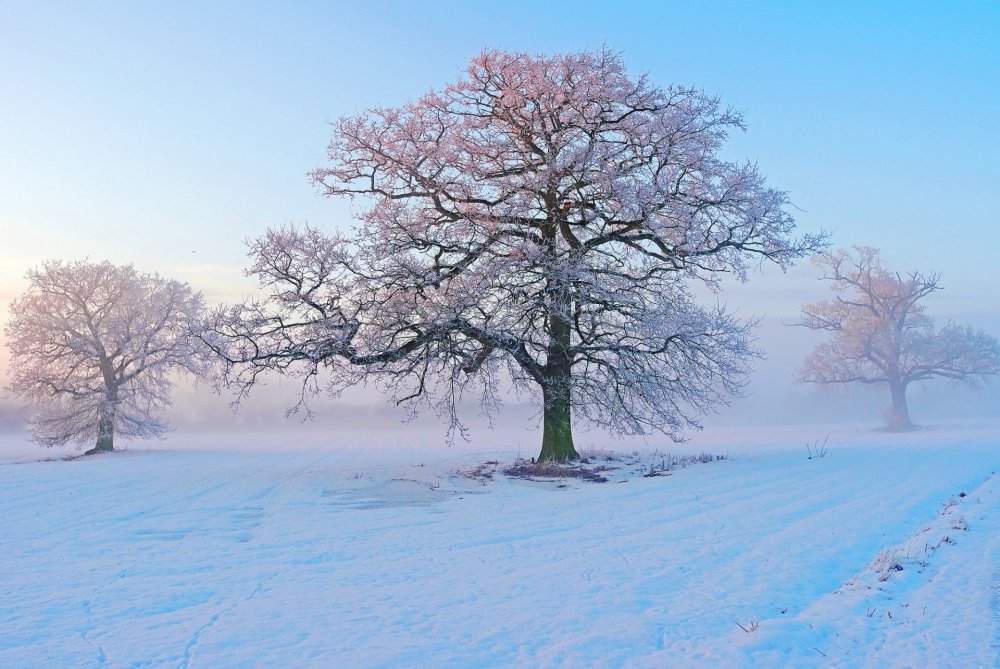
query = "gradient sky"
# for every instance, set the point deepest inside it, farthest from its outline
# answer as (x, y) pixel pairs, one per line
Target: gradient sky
(166, 133)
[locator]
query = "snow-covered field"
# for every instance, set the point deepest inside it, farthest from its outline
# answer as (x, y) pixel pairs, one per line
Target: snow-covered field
(367, 551)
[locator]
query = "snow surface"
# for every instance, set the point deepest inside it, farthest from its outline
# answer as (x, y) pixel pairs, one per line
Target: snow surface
(276, 550)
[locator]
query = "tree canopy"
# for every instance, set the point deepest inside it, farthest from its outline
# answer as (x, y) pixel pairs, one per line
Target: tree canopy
(536, 222)
(881, 335)
(93, 347)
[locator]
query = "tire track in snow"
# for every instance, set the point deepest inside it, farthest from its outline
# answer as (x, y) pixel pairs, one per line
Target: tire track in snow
(196, 636)
(995, 610)
(888, 613)
(89, 625)
(262, 496)
(102, 658)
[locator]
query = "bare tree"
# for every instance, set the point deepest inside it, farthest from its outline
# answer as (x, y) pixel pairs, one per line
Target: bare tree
(536, 221)
(93, 347)
(881, 335)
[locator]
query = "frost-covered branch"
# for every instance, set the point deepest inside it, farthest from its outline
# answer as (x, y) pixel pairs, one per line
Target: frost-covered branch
(880, 334)
(535, 221)
(93, 347)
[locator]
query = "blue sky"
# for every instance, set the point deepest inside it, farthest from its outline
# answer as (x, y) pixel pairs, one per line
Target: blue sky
(165, 133)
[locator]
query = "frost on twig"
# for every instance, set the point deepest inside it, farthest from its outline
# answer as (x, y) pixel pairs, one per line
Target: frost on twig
(95, 349)
(535, 225)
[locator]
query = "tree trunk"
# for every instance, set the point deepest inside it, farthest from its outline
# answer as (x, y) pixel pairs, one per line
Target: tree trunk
(106, 423)
(557, 394)
(557, 435)
(105, 433)
(899, 413)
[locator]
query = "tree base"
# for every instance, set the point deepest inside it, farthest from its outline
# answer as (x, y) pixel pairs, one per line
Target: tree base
(552, 456)
(908, 427)
(557, 428)
(557, 446)
(100, 448)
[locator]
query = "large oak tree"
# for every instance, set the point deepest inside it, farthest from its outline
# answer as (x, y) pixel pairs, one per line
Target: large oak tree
(538, 222)
(94, 348)
(879, 333)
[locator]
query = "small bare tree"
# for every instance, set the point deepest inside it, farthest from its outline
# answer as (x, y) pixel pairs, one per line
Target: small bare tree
(536, 221)
(93, 347)
(880, 334)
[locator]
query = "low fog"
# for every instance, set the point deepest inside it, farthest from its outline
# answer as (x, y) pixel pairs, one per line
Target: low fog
(772, 395)
(773, 398)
